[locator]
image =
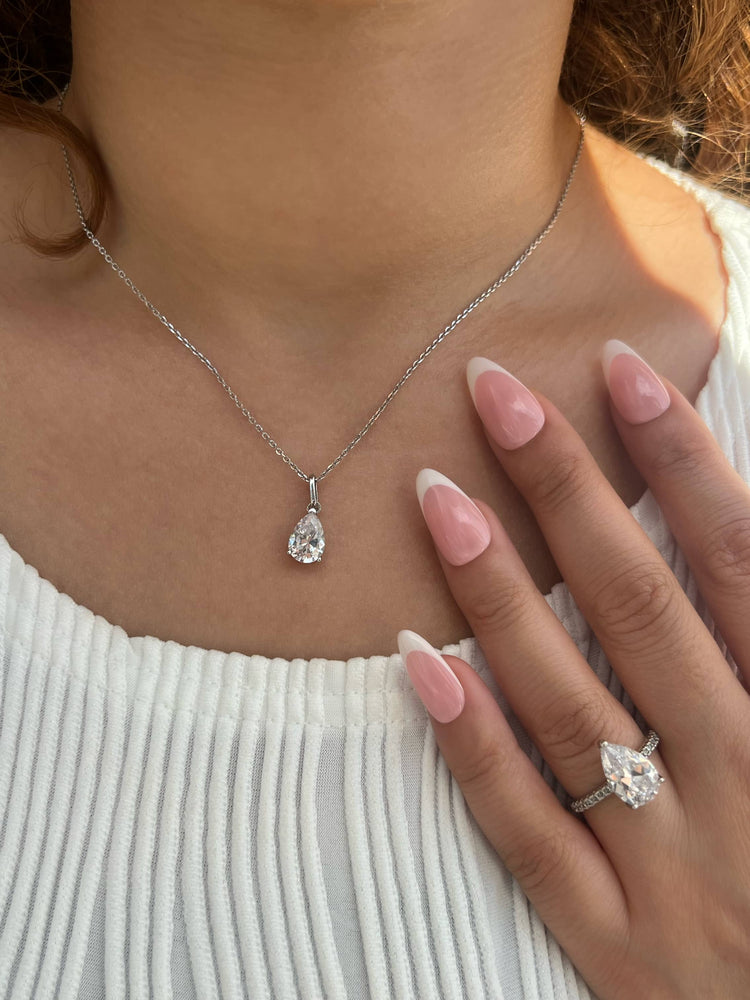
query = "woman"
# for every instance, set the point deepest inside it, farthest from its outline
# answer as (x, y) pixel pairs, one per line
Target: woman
(217, 778)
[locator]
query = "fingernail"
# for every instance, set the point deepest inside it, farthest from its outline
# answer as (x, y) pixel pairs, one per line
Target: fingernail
(433, 680)
(508, 410)
(636, 391)
(458, 527)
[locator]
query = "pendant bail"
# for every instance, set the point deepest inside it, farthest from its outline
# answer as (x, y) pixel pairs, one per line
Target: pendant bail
(314, 504)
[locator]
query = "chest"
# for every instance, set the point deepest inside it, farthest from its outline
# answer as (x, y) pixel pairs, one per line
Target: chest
(134, 484)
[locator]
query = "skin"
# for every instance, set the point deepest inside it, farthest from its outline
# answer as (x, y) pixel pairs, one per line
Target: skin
(283, 244)
(636, 919)
(278, 247)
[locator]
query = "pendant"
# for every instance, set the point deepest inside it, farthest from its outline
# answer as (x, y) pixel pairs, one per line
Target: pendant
(308, 540)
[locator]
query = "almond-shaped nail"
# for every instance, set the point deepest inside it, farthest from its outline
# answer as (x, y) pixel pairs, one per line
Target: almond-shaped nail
(634, 386)
(511, 414)
(433, 680)
(457, 525)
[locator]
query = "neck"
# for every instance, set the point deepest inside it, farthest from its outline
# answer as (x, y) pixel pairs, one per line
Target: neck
(320, 162)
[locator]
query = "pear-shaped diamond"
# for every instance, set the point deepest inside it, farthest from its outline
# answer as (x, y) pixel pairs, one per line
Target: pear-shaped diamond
(308, 540)
(630, 775)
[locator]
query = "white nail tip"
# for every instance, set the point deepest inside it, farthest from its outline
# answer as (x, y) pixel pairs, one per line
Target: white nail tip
(409, 642)
(431, 477)
(611, 349)
(476, 366)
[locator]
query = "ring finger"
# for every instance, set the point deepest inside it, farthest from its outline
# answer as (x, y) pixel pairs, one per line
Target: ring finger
(551, 688)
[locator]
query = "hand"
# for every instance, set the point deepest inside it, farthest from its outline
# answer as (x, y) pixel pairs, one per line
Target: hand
(652, 902)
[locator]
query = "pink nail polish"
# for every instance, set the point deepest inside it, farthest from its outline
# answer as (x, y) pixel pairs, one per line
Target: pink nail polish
(433, 680)
(457, 525)
(508, 410)
(636, 391)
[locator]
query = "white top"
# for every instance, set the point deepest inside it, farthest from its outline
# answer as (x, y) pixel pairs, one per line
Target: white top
(189, 823)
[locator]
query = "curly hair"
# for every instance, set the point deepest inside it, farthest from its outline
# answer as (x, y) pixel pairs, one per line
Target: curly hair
(666, 77)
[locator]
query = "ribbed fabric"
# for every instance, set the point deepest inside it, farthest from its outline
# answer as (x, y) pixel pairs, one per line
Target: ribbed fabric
(177, 822)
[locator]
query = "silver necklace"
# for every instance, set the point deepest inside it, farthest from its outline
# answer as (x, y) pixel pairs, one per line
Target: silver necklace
(307, 540)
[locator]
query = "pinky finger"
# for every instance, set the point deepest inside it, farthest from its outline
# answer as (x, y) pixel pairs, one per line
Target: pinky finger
(556, 859)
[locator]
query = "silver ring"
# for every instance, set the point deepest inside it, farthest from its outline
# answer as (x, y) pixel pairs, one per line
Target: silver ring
(630, 775)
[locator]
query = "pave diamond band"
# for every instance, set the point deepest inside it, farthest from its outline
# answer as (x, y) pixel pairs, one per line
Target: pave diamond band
(630, 775)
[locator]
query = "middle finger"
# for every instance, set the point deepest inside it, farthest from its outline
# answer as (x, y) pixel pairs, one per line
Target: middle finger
(659, 647)
(559, 700)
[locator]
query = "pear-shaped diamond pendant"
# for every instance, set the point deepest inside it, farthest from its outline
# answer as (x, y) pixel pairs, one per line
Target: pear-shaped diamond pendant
(308, 541)
(630, 774)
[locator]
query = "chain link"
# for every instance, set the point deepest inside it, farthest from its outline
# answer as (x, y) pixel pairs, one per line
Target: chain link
(409, 371)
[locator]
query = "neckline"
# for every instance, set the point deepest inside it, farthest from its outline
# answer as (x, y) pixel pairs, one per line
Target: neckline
(712, 202)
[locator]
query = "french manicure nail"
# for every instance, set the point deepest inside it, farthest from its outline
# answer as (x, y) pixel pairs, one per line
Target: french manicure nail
(457, 525)
(508, 410)
(636, 390)
(433, 680)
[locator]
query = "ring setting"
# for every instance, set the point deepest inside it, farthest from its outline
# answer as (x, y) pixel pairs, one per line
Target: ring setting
(630, 775)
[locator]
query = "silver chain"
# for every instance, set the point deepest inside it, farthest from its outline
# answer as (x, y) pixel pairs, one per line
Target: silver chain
(409, 371)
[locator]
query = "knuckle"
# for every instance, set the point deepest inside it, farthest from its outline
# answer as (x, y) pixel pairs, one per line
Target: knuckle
(629, 604)
(732, 753)
(539, 859)
(725, 552)
(559, 482)
(501, 603)
(573, 725)
(681, 458)
(478, 775)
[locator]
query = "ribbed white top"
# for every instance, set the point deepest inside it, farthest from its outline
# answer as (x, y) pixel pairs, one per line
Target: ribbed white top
(189, 823)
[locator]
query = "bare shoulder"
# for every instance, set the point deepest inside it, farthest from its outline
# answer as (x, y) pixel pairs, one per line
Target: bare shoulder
(663, 217)
(667, 235)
